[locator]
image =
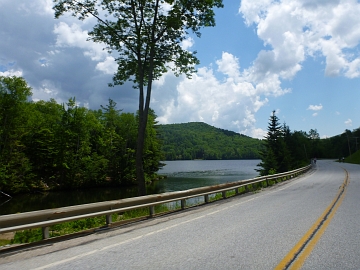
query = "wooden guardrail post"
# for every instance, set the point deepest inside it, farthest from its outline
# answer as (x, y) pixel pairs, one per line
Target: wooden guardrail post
(224, 194)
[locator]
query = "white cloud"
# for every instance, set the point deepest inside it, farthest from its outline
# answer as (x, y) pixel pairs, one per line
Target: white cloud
(315, 107)
(296, 29)
(229, 65)
(108, 66)
(187, 43)
(258, 133)
(74, 36)
(229, 104)
(46, 91)
(11, 72)
(348, 122)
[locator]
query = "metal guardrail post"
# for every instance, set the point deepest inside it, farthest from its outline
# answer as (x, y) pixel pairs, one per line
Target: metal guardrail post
(206, 198)
(108, 219)
(152, 210)
(45, 232)
(183, 204)
(46, 218)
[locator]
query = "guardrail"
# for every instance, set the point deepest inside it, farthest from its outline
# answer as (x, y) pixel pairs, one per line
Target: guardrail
(45, 218)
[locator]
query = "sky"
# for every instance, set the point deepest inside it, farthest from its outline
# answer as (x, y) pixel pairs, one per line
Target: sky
(300, 58)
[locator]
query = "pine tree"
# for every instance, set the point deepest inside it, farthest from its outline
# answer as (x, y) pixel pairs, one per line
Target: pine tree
(276, 155)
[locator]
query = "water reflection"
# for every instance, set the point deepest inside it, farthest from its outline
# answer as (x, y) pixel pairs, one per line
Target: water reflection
(181, 175)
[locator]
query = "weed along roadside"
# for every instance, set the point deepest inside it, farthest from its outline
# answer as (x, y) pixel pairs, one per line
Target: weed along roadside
(37, 227)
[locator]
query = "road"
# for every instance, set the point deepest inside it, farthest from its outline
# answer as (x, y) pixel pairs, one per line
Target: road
(270, 229)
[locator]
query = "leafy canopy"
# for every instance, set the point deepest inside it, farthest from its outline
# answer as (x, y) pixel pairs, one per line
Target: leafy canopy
(146, 34)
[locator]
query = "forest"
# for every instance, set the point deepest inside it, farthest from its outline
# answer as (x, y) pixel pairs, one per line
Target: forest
(285, 150)
(46, 146)
(198, 140)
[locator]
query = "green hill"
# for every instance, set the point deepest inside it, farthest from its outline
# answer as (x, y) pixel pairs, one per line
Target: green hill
(197, 140)
(354, 158)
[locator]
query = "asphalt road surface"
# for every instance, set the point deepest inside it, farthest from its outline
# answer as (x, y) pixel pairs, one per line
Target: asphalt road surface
(310, 222)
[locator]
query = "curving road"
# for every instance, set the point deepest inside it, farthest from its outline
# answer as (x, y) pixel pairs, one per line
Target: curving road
(311, 222)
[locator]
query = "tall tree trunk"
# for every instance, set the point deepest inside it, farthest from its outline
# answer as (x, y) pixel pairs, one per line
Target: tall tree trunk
(140, 176)
(144, 110)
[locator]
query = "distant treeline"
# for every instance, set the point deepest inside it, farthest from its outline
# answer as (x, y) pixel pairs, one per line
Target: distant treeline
(201, 141)
(286, 150)
(45, 145)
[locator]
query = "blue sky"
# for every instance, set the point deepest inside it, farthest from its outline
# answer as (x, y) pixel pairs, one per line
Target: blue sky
(299, 57)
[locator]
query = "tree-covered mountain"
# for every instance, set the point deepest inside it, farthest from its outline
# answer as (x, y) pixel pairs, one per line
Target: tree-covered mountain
(198, 140)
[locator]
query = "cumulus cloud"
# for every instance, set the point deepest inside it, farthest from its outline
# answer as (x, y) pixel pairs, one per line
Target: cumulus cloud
(296, 29)
(56, 59)
(74, 36)
(230, 103)
(11, 72)
(348, 122)
(187, 43)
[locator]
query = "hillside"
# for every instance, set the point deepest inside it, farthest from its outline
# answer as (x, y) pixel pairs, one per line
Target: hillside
(354, 158)
(197, 140)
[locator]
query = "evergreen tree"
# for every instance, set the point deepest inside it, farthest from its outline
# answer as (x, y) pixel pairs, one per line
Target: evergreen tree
(276, 155)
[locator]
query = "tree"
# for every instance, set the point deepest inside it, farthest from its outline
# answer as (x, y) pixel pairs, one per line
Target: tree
(147, 34)
(276, 156)
(315, 140)
(15, 168)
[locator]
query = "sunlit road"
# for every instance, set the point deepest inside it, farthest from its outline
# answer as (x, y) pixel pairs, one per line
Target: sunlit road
(254, 231)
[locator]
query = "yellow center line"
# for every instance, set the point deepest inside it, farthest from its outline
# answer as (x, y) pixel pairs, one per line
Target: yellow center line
(298, 254)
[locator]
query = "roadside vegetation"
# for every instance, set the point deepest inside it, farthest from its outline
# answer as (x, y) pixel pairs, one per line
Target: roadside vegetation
(83, 225)
(354, 158)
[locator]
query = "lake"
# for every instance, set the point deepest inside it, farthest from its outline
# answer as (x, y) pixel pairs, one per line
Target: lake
(187, 174)
(181, 175)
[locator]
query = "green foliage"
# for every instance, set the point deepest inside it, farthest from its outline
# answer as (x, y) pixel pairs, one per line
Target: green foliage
(354, 158)
(147, 36)
(46, 146)
(286, 150)
(201, 141)
(4, 242)
(283, 149)
(343, 145)
(27, 236)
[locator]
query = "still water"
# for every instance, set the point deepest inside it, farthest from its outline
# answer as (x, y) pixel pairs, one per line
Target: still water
(181, 175)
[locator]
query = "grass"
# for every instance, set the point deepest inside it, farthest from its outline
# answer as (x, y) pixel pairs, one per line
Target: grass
(34, 235)
(354, 158)
(4, 242)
